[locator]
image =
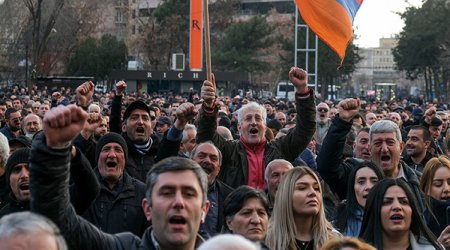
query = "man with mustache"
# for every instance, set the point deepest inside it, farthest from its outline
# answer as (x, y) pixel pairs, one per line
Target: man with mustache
(137, 130)
(175, 199)
(210, 158)
(117, 208)
(385, 145)
(12, 128)
(245, 159)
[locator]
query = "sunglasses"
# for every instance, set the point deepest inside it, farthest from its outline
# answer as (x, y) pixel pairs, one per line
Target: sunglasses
(152, 118)
(322, 110)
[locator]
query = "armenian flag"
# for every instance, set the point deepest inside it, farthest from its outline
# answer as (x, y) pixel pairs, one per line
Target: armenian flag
(331, 20)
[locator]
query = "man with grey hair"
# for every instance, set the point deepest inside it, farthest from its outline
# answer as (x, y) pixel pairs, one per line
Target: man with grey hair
(385, 146)
(26, 230)
(175, 199)
(229, 242)
(245, 160)
(31, 124)
(274, 171)
(188, 141)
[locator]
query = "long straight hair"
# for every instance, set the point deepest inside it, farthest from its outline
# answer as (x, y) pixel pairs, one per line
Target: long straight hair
(352, 205)
(282, 230)
(371, 229)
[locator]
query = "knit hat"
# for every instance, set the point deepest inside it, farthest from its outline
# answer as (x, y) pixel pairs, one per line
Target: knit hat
(19, 156)
(108, 138)
(21, 139)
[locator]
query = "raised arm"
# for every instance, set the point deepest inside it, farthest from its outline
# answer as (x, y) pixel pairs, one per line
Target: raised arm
(330, 163)
(49, 179)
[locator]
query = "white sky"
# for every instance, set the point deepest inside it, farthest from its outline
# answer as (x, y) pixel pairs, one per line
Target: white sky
(376, 19)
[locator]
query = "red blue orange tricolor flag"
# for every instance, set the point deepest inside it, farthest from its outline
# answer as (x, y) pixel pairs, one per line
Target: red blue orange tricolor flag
(331, 20)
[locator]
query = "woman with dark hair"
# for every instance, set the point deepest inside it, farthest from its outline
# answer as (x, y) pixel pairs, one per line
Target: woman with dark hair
(435, 184)
(350, 212)
(392, 219)
(246, 212)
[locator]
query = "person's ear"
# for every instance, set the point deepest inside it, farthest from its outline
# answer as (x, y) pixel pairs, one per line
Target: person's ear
(147, 207)
(205, 209)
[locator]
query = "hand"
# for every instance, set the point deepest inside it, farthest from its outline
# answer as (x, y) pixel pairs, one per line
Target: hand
(93, 121)
(429, 114)
(299, 79)
(185, 112)
(208, 92)
(444, 238)
(121, 86)
(62, 124)
(84, 93)
(348, 108)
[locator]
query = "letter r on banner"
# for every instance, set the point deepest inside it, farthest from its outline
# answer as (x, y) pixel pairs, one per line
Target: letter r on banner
(196, 35)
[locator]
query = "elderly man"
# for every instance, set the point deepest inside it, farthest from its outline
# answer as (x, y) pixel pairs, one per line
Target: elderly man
(274, 171)
(323, 122)
(31, 125)
(175, 199)
(244, 160)
(209, 158)
(188, 141)
(117, 208)
(27, 230)
(385, 149)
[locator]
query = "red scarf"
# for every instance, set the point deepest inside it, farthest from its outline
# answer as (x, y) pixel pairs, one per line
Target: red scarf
(255, 164)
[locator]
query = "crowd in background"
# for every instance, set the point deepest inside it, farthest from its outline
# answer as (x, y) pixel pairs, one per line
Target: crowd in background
(258, 173)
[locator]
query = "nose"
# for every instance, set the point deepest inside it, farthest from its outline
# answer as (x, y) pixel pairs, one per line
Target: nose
(111, 154)
(446, 187)
(384, 147)
(24, 173)
(178, 201)
(255, 219)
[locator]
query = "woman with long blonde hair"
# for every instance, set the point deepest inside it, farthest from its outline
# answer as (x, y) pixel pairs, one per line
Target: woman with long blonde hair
(298, 221)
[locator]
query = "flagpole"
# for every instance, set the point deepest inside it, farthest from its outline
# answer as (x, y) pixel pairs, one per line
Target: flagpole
(207, 41)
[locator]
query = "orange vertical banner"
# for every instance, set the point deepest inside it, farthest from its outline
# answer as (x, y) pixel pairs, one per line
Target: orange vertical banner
(196, 36)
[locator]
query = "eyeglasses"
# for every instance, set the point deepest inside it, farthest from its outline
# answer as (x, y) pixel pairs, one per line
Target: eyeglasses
(322, 110)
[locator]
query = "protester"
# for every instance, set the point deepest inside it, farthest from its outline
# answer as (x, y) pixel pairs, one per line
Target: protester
(25, 230)
(417, 145)
(244, 160)
(350, 212)
(175, 193)
(347, 243)
(12, 128)
(273, 174)
(4, 155)
(298, 220)
(246, 212)
(31, 124)
(392, 218)
(435, 184)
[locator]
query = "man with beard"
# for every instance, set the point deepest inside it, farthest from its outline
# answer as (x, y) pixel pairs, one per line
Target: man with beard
(3, 108)
(31, 125)
(245, 160)
(323, 122)
(13, 119)
(417, 154)
(117, 208)
(209, 158)
(175, 199)
(137, 130)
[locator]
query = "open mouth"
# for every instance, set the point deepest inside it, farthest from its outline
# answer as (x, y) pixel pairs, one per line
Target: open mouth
(253, 131)
(207, 168)
(178, 220)
(385, 158)
(396, 217)
(111, 164)
(140, 130)
(24, 186)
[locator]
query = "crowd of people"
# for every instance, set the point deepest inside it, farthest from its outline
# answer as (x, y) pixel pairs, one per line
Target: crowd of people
(120, 170)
